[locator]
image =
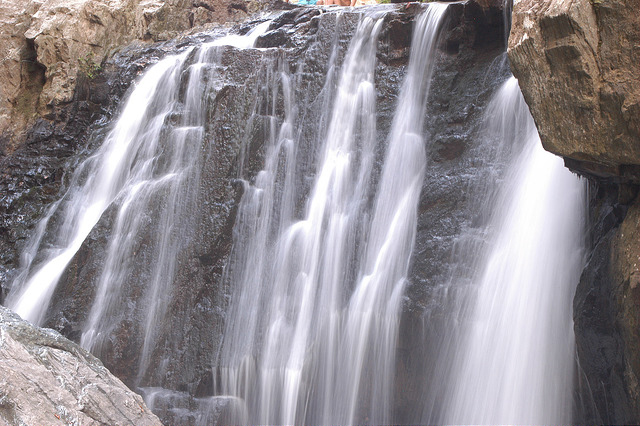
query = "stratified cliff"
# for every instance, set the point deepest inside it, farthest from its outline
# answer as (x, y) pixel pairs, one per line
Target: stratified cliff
(578, 64)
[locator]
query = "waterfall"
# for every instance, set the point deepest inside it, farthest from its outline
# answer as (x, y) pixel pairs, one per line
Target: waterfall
(145, 176)
(123, 169)
(313, 323)
(514, 362)
(321, 264)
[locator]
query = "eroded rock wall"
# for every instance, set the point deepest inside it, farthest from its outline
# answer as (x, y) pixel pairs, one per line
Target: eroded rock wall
(578, 63)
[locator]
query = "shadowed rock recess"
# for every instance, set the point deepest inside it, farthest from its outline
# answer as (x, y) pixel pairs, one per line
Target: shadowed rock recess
(578, 64)
(48, 380)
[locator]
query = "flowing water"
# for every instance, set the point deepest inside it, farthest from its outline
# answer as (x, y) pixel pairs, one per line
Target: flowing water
(125, 168)
(314, 317)
(318, 286)
(513, 359)
(144, 175)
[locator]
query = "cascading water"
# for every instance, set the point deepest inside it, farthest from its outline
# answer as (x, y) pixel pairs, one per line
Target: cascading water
(146, 171)
(125, 168)
(514, 360)
(313, 323)
(321, 258)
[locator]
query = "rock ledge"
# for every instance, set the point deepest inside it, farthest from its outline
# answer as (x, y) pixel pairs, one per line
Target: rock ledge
(48, 380)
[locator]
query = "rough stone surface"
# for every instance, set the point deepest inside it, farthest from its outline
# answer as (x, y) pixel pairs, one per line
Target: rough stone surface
(22, 77)
(626, 275)
(606, 311)
(48, 380)
(578, 63)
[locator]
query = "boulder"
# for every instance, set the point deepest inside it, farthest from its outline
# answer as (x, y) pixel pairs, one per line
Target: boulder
(577, 62)
(48, 380)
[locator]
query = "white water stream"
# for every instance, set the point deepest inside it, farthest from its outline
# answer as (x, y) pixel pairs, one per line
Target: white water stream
(314, 318)
(312, 327)
(147, 171)
(122, 169)
(514, 363)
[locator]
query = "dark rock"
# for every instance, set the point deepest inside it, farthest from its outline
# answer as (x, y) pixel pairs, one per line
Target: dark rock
(606, 311)
(275, 38)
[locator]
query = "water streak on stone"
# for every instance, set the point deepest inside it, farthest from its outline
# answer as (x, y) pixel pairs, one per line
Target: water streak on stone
(146, 173)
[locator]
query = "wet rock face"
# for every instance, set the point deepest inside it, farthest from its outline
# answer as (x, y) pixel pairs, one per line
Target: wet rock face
(578, 64)
(33, 173)
(606, 312)
(470, 67)
(48, 380)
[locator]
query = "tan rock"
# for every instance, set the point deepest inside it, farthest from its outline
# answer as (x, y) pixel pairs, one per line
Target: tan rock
(578, 62)
(19, 72)
(48, 380)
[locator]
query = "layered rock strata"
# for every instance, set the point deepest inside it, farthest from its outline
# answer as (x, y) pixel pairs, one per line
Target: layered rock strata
(578, 63)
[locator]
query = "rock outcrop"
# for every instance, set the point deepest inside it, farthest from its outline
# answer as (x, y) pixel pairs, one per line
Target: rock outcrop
(48, 380)
(578, 62)
(47, 46)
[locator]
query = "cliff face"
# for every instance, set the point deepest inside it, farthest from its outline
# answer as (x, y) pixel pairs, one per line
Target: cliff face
(46, 379)
(578, 64)
(55, 83)
(34, 172)
(48, 46)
